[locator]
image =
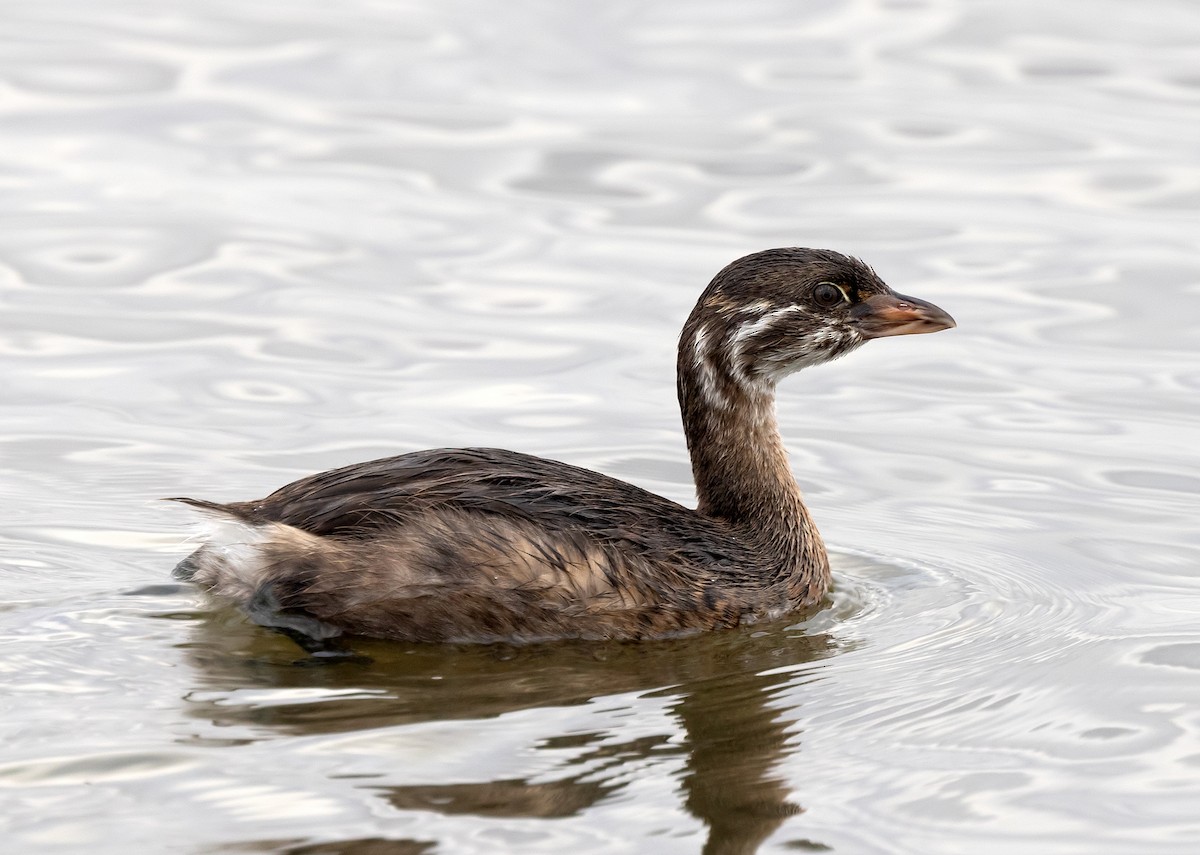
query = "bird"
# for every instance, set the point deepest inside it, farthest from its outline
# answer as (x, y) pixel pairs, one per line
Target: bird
(485, 545)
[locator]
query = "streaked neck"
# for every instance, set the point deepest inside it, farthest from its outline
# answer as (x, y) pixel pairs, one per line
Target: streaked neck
(738, 459)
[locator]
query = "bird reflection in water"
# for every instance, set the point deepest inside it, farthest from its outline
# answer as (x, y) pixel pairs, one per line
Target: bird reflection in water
(722, 686)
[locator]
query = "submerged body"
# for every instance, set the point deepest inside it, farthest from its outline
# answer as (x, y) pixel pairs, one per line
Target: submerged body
(484, 545)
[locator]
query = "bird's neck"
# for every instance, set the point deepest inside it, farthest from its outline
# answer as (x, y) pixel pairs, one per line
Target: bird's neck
(741, 468)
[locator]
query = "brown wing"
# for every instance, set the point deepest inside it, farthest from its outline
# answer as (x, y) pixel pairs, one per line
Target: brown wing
(365, 498)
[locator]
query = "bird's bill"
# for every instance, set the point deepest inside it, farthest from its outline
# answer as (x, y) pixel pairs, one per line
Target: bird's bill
(895, 314)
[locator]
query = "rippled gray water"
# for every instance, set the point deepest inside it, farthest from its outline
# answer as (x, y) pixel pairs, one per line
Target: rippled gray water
(245, 241)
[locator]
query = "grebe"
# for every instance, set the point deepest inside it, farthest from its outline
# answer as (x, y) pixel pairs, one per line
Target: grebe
(485, 545)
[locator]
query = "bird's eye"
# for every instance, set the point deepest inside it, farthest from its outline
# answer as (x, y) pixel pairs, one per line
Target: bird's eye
(827, 295)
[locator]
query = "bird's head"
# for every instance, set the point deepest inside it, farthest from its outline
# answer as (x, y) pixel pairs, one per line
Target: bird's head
(775, 312)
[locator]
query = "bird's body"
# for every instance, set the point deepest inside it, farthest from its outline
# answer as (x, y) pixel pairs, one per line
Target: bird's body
(484, 545)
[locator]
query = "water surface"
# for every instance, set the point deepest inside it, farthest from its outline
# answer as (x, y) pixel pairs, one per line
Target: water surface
(243, 242)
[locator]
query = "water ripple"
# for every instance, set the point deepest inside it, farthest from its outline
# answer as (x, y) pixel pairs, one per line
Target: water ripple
(244, 243)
